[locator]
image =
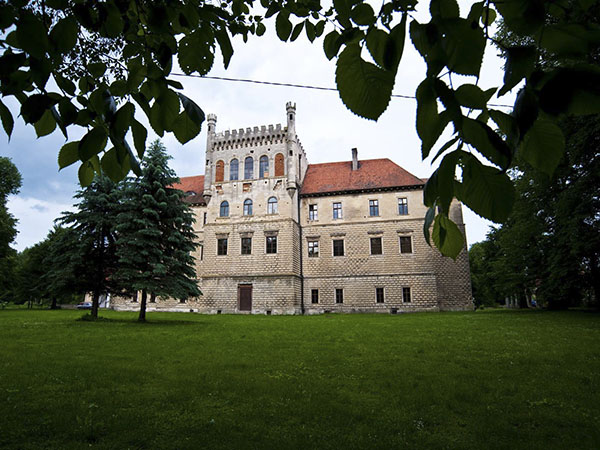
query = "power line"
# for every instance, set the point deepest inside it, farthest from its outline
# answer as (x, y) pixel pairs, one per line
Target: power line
(301, 86)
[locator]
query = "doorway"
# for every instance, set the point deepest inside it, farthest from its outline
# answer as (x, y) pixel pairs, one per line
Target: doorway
(245, 297)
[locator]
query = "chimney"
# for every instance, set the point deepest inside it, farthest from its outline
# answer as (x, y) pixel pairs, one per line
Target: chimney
(354, 159)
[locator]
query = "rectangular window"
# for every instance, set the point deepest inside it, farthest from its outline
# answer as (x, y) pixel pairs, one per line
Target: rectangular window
(246, 246)
(201, 252)
(403, 206)
(339, 295)
(338, 247)
(379, 295)
(314, 296)
(313, 249)
(312, 212)
(204, 219)
(222, 246)
(271, 244)
(376, 248)
(337, 210)
(405, 244)
(373, 208)
(406, 294)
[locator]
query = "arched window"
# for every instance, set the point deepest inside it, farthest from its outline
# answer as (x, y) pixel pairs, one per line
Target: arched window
(247, 207)
(272, 206)
(279, 165)
(233, 170)
(220, 172)
(224, 211)
(248, 168)
(263, 167)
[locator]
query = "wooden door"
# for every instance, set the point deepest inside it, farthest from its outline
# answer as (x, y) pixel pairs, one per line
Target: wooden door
(245, 297)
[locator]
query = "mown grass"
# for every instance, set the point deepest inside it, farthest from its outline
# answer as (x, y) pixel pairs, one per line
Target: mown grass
(481, 380)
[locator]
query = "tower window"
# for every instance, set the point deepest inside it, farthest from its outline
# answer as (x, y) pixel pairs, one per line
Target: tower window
(263, 167)
(219, 171)
(248, 168)
(234, 166)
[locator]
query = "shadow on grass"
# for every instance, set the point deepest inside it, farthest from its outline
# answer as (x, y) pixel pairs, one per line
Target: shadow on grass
(134, 321)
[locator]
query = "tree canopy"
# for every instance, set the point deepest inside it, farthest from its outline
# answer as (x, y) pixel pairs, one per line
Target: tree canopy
(131, 46)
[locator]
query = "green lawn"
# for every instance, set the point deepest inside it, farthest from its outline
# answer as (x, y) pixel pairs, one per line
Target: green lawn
(479, 380)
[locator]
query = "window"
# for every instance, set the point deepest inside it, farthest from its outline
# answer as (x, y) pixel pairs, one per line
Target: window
(313, 249)
(405, 244)
(134, 297)
(339, 295)
(337, 210)
(379, 295)
(376, 248)
(406, 294)
(222, 246)
(313, 213)
(373, 208)
(279, 165)
(234, 167)
(224, 210)
(247, 207)
(220, 171)
(204, 219)
(246, 246)
(201, 251)
(403, 206)
(272, 205)
(314, 296)
(271, 244)
(248, 168)
(263, 167)
(338, 247)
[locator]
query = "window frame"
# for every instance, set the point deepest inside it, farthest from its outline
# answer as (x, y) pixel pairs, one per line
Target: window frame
(272, 206)
(406, 289)
(315, 244)
(246, 240)
(400, 238)
(333, 241)
(339, 299)
(374, 207)
(237, 170)
(336, 209)
(272, 249)
(224, 209)
(247, 207)
(314, 299)
(222, 246)
(378, 290)
(262, 168)
(403, 206)
(249, 168)
(313, 212)
(380, 239)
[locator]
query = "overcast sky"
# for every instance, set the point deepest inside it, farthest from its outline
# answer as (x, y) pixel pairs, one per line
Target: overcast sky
(325, 127)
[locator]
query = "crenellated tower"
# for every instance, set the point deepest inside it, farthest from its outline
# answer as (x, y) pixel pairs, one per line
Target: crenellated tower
(210, 136)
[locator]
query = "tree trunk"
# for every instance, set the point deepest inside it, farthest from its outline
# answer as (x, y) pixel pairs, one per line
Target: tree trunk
(142, 316)
(595, 280)
(95, 304)
(53, 304)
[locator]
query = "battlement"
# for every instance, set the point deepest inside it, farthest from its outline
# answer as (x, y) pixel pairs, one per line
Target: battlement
(249, 137)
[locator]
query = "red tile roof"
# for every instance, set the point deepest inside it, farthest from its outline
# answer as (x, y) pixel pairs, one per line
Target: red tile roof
(192, 184)
(372, 174)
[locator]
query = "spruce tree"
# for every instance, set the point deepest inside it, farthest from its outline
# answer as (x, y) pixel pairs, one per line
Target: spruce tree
(88, 255)
(156, 237)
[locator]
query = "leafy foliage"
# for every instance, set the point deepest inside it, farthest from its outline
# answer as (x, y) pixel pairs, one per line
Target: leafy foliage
(10, 182)
(155, 234)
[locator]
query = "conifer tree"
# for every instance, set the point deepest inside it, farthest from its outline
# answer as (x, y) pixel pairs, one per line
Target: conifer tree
(88, 255)
(156, 238)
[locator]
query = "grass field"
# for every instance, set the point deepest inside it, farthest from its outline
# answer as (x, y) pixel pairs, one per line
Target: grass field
(481, 380)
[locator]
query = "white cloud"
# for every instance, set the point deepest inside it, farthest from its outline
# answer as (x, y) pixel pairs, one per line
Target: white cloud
(36, 218)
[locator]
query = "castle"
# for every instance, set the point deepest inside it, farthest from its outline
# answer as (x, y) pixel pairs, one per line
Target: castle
(281, 236)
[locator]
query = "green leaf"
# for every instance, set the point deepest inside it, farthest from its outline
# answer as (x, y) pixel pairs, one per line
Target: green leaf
(445, 177)
(86, 174)
(192, 109)
(447, 237)
(185, 129)
(68, 111)
(297, 30)
(526, 110)
(260, 29)
(464, 46)
(113, 25)
(311, 33)
(283, 26)
(445, 147)
(429, 217)
(362, 14)
(139, 137)
(225, 45)
(34, 107)
(122, 119)
(430, 125)
(113, 167)
(376, 41)
(488, 16)
(196, 52)
(486, 190)
(164, 111)
(524, 17)
(471, 96)
(487, 142)
(96, 69)
(571, 91)
(46, 125)
(543, 146)
(92, 143)
(64, 34)
(65, 84)
(570, 39)
(395, 47)
(520, 62)
(68, 154)
(331, 44)
(444, 9)
(507, 124)
(364, 88)
(7, 119)
(32, 34)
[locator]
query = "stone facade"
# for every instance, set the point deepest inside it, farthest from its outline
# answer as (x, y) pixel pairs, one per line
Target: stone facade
(280, 236)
